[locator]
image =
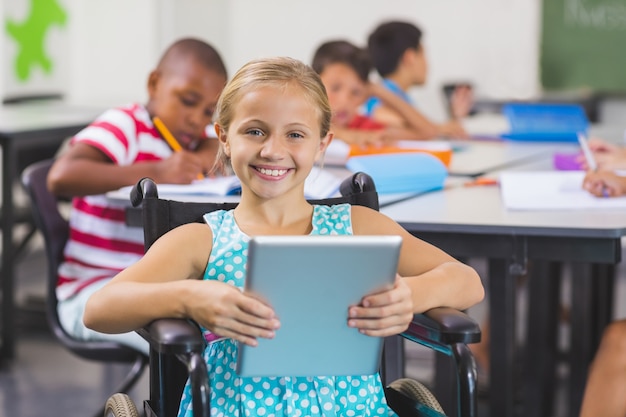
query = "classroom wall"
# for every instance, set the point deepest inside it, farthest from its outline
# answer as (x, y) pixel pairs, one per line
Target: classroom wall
(492, 43)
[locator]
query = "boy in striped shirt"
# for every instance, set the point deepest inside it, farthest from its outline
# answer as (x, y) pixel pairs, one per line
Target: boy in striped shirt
(119, 148)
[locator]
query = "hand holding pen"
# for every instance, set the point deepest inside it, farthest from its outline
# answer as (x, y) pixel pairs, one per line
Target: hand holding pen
(599, 183)
(604, 184)
(185, 165)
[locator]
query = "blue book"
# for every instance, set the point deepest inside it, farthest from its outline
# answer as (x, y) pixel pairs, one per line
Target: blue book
(402, 172)
(544, 122)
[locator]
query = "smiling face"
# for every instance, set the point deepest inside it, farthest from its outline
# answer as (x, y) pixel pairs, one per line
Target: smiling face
(184, 96)
(346, 92)
(273, 140)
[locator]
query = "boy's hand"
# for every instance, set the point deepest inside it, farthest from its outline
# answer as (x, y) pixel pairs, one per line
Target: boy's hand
(461, 101)
(228, 312)
(452, 129)
(604, 184)
(180, 168)
(385, 313)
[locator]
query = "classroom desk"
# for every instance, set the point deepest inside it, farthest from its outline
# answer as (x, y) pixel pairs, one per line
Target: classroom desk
(472, 222)
(24, 127)
(478, 157)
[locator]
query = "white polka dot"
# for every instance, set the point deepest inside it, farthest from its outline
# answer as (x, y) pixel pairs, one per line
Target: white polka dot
(363, 392)
(251, 404)
(258, 395)
(315, 409)
(324, 391)
(328, 406)
(352, 398)
(269, 401)
(342, 384)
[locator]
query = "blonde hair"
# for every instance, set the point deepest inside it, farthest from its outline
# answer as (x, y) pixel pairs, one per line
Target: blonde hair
(276, 72)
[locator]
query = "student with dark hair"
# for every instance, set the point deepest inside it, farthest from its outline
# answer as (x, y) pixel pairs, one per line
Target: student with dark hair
(397, 53)
(344, 69)
(119, 148)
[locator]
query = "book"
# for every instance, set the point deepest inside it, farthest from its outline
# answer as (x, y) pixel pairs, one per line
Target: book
(319, 184)
(339, 152)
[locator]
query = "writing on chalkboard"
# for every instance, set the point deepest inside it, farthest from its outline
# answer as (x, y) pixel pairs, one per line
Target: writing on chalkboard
(603, 15)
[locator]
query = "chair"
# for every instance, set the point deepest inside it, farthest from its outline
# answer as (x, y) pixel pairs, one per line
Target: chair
(55, 230)
(444, 329)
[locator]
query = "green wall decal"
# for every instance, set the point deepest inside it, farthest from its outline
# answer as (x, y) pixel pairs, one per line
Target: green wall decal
(30, 36)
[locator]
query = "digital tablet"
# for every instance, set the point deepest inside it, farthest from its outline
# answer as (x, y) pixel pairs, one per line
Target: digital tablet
(310, 281)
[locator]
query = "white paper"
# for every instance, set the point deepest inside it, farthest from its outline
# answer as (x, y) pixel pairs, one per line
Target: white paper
(551, 190)
(319, 184)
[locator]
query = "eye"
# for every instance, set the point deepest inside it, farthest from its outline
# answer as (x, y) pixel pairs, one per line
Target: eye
(209, 112)
(295, 135)
(188, 102)
(254, 132)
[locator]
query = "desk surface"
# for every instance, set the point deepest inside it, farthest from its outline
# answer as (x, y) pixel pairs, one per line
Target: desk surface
(475, 158)
(17, 119)
(480, 210)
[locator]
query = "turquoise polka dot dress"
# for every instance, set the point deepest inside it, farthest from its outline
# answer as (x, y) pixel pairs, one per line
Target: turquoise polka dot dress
(276, 396)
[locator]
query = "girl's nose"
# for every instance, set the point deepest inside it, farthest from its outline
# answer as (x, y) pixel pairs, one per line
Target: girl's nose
(272, 148)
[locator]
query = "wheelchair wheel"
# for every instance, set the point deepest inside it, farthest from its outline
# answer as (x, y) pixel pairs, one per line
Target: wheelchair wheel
(418, 392)
(120, 405)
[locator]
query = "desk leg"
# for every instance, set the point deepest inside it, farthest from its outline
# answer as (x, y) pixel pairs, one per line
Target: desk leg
(540, 352)
(592, 308)
(502, 307)
(7, 320)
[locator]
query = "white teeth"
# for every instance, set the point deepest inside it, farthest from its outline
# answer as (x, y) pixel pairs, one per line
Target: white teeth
(272, 172)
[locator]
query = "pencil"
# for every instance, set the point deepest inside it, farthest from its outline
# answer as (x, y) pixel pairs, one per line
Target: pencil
(169, 138)
(167, 135)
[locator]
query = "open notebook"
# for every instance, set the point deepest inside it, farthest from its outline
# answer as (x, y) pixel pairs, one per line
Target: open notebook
(319, 184)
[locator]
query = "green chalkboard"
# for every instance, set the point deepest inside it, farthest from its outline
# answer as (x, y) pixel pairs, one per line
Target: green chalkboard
(583, 45)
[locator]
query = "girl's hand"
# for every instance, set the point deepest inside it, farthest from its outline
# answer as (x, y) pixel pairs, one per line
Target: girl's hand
(228, 312)
(385, 313)
(608, 156)
(604, 184)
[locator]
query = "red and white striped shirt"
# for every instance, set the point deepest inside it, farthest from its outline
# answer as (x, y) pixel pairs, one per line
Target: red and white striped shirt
(100, 244)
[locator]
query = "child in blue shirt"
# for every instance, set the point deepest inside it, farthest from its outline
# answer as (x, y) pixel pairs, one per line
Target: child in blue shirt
(273, 126)
(398, 55)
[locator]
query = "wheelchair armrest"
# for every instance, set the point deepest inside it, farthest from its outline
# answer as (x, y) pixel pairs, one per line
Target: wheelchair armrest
(144, 188)
(175, 336)
(443, 326)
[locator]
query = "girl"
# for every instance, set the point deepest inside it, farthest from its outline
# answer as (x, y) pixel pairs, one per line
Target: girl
(273, 125)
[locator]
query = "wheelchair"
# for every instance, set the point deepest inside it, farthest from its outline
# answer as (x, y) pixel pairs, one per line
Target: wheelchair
(177, 345)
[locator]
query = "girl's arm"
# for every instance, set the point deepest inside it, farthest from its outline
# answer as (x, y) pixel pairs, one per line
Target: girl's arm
(429, 278)
(406, 115)
(358, 136)
(166, 283)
